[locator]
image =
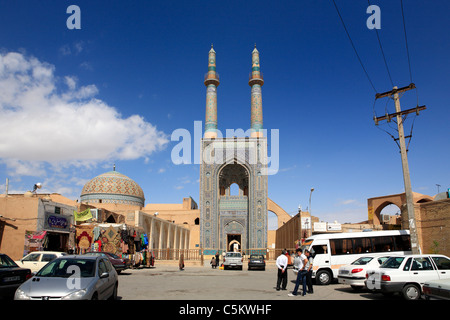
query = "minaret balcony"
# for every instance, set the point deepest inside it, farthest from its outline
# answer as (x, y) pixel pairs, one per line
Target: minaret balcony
(256, 78)
(212, 78)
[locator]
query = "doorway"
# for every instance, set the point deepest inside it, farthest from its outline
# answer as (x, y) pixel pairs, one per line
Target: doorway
(233, 242)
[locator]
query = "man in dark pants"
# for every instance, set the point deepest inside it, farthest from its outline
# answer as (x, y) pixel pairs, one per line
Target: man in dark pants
(309, 269)
(282, 263)
(217, 258)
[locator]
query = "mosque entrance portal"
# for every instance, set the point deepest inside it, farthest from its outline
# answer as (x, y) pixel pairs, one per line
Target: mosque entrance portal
(234, 242)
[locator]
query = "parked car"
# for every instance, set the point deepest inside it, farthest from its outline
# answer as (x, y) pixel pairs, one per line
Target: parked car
(256, 261)
(437, 289)
(118, 263)
(72, 277)
(354, 274)
(232, 260)
(407, 274)
(11, 276)
(36, 260)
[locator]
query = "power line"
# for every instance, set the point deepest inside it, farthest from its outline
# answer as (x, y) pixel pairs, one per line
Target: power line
(382, 52)
(406, 41)
(354, 48)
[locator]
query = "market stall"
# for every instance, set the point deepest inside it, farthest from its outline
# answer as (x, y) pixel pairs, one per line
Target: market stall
(120, 239)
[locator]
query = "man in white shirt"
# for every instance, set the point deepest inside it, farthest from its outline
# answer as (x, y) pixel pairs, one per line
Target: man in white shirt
(301, 276)
(282, 263)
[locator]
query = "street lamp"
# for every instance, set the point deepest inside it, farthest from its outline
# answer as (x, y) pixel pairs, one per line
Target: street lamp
(312, 189)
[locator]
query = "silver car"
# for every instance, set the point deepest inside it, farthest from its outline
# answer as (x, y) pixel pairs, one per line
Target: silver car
(72, 277)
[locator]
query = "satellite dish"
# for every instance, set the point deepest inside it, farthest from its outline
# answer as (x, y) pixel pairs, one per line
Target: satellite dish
(37, 186)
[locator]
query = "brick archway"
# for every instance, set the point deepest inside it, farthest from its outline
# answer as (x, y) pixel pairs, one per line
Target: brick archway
(282, 215)
(377, 204)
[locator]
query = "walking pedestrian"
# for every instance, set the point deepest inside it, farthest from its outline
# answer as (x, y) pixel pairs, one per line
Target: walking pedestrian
(181, 262)
(301, 275)
(213, 262)
(309, 269)
(282, 263)
(217, 258)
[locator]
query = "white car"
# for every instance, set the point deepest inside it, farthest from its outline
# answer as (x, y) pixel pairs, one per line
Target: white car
(354, 274)
(37, 259)
(407, 274)
(437, 289)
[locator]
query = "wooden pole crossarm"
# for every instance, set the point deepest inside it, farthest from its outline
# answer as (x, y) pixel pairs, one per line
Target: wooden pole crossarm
(388, 117)
(393, 91)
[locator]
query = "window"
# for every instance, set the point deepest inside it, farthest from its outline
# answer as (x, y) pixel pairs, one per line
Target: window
(382, 260)
(421, 264)
(362, 245)
(6, 261)
(101, 267)
(407, 265)
(32, 257)
(362, 261)
(402, 243)
(383, 244)
(442, 263)
(48, 257)
(319, 249)
(67, 267)
(393, 263)
(341, 246)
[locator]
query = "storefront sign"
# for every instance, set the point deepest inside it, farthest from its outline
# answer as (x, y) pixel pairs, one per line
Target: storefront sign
(56, 222)
(334, 227)
(320, 226)
(83, 215)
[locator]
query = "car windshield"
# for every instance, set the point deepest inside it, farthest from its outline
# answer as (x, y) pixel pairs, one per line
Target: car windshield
(95, 254)
(256, 256)
(6, 262)
(362, 261)
(234, 254)
(392, 263)
(67, 267)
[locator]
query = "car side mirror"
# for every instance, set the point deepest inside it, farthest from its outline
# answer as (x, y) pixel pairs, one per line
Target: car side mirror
(104, 275)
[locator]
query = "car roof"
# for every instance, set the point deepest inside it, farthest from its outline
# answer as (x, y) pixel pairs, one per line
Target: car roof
(80, 256)
(51, 252)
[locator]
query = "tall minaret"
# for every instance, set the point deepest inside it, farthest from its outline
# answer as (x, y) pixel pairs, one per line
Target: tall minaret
(256, 81)
(211, 83)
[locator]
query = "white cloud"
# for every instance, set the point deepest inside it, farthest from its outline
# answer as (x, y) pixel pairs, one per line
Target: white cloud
(346, 202)
(42, 121)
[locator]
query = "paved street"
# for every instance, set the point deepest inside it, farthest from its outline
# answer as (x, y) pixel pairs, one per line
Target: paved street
(197, 283)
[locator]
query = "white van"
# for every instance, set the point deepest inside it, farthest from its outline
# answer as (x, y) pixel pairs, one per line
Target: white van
(334, 250)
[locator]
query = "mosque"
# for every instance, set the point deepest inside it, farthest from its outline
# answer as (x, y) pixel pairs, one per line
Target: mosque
(221, 221)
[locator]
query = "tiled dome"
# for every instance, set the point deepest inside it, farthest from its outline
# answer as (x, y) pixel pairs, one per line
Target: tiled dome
(113, 187)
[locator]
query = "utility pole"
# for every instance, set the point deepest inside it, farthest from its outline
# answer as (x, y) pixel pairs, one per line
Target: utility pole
(415, 248)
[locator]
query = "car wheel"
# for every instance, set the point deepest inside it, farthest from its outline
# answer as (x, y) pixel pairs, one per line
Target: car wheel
(323, 277)
(411, 292)
(94, 296)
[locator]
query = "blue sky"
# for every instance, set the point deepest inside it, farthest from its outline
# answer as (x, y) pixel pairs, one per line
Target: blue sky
(74, 102)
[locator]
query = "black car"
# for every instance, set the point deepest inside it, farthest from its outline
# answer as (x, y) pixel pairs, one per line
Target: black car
(256, 261)
(118, 263)
(11, 276)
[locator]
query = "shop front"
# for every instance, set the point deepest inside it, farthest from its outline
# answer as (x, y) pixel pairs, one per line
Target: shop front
(54, 234)
(120, 239)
